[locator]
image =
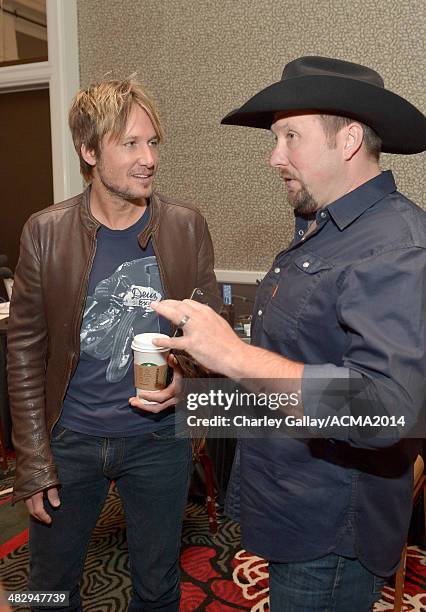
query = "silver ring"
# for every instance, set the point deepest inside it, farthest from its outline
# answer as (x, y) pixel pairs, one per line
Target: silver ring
(184, 320)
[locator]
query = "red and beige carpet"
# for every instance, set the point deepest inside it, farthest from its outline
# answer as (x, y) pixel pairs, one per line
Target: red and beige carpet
(217, 575)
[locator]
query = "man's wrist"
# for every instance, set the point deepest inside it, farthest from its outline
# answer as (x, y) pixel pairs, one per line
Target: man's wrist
(246, 361)
(237, 363)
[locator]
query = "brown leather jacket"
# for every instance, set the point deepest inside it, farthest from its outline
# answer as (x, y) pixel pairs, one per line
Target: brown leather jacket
(58, 245)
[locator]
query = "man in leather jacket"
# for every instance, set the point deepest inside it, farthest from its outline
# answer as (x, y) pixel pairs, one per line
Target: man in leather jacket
(85, 266)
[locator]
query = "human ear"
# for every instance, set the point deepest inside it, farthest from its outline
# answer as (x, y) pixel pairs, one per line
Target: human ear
(354, 136)
(88, 155)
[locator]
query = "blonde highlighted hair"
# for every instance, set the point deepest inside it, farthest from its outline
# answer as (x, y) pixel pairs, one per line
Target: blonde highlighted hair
(104, 108)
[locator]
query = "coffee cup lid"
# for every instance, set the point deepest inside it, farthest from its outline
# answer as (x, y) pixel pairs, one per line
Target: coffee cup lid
(143, 342)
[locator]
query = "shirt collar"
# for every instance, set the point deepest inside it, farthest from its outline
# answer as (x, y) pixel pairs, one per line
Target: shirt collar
(353, 204)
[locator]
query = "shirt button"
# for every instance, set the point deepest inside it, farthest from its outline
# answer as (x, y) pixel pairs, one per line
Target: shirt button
(306, 264)
(323, 215)
(260, 313)
(277, 270)
(301, 232)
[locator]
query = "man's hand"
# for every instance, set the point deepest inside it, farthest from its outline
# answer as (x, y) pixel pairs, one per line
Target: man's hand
(207, 337)
(35, 504)
(165, 398)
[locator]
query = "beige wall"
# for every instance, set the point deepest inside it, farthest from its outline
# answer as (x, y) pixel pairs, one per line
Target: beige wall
(202, 58)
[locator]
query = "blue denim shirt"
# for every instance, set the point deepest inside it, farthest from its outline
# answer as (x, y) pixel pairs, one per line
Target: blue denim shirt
(349, 302)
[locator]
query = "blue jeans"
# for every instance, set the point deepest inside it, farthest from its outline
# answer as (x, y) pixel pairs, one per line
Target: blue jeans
(152, 473)
(329, 584)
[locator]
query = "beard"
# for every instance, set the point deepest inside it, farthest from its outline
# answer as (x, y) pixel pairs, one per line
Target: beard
(115, 190)
(118, 188)
(303, 202)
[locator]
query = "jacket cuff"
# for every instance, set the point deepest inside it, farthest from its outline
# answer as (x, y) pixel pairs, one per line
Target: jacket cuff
(41, 480)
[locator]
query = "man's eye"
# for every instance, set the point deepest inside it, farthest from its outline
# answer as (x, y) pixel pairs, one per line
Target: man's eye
(153, 143)
(130, 143)
(291, 135)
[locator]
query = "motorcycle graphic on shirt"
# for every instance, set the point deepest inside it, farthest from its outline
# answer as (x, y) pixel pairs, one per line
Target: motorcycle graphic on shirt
(117, 311)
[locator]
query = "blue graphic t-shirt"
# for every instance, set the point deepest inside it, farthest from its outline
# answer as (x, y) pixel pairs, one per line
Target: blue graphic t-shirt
(123, 281)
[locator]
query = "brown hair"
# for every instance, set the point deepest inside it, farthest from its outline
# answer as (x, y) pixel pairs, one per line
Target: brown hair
(332, 124)
(104, 108)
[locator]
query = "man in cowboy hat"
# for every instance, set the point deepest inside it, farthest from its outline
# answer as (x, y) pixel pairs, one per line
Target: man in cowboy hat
(341, 308)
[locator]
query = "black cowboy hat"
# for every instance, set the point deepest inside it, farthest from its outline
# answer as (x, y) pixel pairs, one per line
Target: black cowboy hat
(336, 87)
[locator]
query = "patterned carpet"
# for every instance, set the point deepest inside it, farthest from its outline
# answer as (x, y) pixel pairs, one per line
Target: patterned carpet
(217, 576)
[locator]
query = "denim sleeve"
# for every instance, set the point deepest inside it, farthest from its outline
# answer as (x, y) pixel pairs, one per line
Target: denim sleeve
(382, 305)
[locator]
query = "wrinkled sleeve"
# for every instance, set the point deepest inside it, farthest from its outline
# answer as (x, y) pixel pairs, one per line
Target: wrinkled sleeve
(381, 306)
(206, 278)
(27, 347)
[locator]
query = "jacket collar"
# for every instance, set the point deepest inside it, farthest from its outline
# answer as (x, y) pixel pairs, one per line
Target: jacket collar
(153, 221)
(87, 219)
(92, 224)
(352, 205)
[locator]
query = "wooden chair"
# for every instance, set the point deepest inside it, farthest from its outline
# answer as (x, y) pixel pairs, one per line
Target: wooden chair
(200, 455)
(419, 487)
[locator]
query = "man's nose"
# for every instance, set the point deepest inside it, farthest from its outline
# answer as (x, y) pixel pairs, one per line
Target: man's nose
(278, 157)
(147, 157)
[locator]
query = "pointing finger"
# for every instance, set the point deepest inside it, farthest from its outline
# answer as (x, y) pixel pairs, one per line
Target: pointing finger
(170, 309)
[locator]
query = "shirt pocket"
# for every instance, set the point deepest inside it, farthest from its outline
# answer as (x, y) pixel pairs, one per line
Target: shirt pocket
(296, 296)
(310, 264)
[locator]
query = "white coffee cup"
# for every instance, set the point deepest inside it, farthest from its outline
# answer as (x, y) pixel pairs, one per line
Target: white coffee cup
(150, 364)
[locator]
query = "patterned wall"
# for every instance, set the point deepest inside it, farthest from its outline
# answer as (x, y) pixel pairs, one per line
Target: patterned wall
(202, 58)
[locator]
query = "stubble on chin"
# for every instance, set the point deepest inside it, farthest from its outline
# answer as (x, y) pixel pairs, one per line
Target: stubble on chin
(303, 202)
(123, 194)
